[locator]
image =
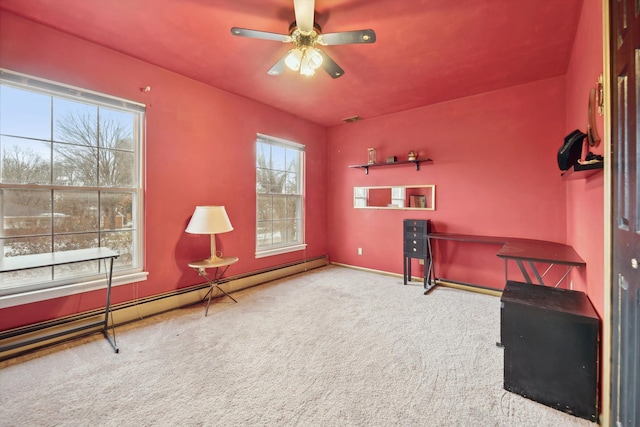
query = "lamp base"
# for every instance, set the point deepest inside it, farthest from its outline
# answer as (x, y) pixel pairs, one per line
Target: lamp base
(213, 259)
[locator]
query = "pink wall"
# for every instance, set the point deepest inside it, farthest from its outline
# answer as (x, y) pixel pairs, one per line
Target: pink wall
(494, 167)
(585, 198)
(199, 150)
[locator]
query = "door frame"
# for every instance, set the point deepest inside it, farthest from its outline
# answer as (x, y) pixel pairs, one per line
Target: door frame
(607, 333)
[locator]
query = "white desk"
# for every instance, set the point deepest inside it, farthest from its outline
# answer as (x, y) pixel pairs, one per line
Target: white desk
(219, 267)
(52, 259)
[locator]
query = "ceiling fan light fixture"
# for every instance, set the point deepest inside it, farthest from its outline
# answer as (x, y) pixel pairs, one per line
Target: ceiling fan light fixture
(311, 61)
(294, 58)
(305, 34)
(305, 67)
(315, 59)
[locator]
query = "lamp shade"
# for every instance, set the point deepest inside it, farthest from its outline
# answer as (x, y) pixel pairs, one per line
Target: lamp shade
(209, 220)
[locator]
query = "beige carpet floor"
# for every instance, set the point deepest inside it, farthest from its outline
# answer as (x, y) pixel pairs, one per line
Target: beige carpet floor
(330, 347)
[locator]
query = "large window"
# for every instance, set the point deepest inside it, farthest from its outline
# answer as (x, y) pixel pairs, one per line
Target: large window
(279, 196)
(70, 178)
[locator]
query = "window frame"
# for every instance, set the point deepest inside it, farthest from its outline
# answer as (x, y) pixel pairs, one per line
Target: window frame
(78, 283)
(265, 251)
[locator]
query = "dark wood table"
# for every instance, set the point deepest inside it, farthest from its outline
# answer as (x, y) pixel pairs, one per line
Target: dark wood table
(520, 251)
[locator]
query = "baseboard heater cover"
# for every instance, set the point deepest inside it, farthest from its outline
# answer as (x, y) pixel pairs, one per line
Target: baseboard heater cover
(26, 339)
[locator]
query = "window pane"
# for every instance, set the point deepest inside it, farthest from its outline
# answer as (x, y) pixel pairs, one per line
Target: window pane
(293, 207)
(116, 210)
(121, 242)
(291, 183)
(293, 160)
(262, 180)
(265, 233)
(278, 158)
(25, 161)
(263, 155)
(279, 207)
(75, 211)
(74, 165)
(116, 168)
(27, 245)
(116, 129)
(277, 179)
(24, 113)
(292, 231)
(264, 206)
(75, 122)
(279, 232)
(72, 242)
(26, 213)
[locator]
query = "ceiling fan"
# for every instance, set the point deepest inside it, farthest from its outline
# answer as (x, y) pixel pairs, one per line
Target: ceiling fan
(305, 35)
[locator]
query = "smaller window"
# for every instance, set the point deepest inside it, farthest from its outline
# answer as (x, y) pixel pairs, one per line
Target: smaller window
(279, 196)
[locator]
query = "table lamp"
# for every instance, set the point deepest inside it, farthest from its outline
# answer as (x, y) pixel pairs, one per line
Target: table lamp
(210, 220)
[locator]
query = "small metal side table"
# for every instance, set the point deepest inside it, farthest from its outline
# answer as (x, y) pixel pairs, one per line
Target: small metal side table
(219, 266)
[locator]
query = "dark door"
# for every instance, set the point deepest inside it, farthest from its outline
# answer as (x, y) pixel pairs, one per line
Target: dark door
(625, 90)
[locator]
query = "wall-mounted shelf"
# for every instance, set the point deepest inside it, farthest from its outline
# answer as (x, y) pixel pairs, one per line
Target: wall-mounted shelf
(402, 162)
(582, 171)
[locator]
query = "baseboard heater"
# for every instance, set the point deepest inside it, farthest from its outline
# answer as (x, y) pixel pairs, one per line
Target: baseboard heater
(26, 339)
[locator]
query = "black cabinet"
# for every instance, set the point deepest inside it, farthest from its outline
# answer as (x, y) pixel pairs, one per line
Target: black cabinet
(416, 245)
(550, 338)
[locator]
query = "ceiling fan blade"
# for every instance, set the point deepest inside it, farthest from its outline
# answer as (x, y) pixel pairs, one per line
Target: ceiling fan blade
(255, 34)
(330, 65)
(279, 66)
(304, 14)
(348, 37)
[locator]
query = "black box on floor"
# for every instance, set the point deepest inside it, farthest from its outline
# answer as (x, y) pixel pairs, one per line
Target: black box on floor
(550, 339)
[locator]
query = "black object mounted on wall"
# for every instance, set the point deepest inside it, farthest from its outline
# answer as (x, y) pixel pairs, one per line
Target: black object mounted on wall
(571, 150)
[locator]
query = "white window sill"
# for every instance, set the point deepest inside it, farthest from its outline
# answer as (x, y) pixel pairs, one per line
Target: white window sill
(283, 250)
(71, 289)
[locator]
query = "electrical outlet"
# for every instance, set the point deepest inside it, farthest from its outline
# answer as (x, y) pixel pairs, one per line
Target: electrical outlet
(359, 251)
(421, 261)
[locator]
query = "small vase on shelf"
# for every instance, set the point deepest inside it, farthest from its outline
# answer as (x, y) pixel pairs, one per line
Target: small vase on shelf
(372, 156)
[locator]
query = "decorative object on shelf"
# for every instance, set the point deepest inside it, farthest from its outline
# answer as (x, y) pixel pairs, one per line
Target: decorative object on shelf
(392, 159)
(210, 220)
(372, 156)
(571, 150)
(595, 104)
(412, 155)
(417, 201)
